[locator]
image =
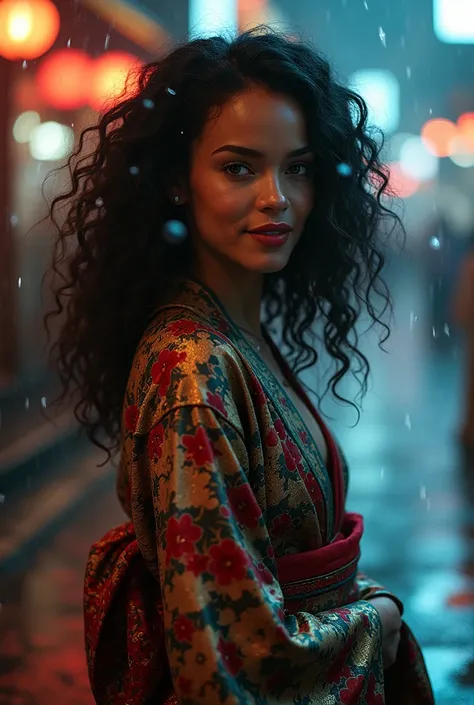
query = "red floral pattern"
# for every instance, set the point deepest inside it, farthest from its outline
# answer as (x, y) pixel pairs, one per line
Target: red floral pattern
(155, 442)
(244, 505)
(131, 418)
(181, 537)
(230, 656)
(184, 628)
(162, 369)
(228, 562)
(198, 447)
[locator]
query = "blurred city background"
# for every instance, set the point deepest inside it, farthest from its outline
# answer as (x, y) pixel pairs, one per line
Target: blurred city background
(413, 61)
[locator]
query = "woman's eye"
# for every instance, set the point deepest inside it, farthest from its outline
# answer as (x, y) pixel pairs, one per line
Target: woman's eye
(299, 169)
(236, 169)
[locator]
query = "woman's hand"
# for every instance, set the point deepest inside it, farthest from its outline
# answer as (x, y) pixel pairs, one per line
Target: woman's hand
(391, 626)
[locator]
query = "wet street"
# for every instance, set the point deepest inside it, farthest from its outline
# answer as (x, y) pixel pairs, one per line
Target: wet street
(408, 480)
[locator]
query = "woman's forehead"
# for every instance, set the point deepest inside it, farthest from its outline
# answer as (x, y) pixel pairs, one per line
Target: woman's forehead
(258, 117)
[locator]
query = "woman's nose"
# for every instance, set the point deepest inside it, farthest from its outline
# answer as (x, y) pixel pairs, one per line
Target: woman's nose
(272, 195)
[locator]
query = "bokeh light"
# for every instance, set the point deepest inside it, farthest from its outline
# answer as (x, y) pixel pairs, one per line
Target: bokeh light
(381, 91)
(416, 161)
(63, 79)
(51, 141)
(27, 28)
(437, 135)
(111, 79)
(24, 126)
(453, 21)
(206, 17)
(400, 184)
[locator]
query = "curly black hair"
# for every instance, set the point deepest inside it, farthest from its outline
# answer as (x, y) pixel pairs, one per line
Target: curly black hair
(114, 266)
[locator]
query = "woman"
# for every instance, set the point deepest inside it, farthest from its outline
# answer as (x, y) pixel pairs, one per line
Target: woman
(235, 580)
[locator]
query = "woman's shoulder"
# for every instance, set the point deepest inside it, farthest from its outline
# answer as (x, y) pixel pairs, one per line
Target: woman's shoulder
(181, 361)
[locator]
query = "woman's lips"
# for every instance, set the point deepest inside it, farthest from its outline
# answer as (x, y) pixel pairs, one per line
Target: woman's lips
(271, 240)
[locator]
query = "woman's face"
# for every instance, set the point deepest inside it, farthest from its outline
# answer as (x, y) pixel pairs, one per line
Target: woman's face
(251, 169)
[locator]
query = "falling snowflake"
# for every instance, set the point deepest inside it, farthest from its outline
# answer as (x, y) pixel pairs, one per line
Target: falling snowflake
(149, 104)
(107, 40)
(344, 169)
(382, 36)
(68, 43)
(408, 421)
(19, 282)
(43, 402)
(446, 330)
(170, 91)
(134, 170)
(99, 202)
(365, 5)
(408, 72)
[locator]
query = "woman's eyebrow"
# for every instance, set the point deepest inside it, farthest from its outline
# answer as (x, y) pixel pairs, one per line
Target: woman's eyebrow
(249, 152)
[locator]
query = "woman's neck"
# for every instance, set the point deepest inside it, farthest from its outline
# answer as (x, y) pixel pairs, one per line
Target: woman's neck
(239, 293)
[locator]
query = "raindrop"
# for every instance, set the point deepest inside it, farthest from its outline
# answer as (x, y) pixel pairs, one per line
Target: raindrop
(431, 111)
(134, 170)
(412, 320)
(408, 72)
(433, 331)
(344, 169)
(423, 492)
(382, 473)
(382, 36)
(435, 242)
(24, 65)
(99, 202)
(27, 403)
(149, 104)
(328, 16)
(170, 91)
(43, 402)
(408, 421)
(19, 282)
(107, 40)
(428, 504)
(446, 330)
(402, 42)
(14, 220)
(2, 498)
(182, 132)
(365, 5)
(175, 232)
(68, 44)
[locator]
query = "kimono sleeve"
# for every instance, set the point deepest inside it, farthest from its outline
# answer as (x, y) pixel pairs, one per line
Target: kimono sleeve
(228, 638)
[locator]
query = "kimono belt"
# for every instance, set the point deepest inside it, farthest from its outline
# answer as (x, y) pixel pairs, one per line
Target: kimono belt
(123, 614)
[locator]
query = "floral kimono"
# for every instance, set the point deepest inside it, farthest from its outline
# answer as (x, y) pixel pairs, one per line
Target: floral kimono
(236, 579)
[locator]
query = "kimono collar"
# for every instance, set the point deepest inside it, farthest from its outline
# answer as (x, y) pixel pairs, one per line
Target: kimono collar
(195, 295)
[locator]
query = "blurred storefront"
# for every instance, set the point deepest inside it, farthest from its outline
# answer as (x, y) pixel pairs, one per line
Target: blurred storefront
(61, 61)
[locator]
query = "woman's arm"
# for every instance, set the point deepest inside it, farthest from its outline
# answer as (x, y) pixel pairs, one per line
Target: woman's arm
(227, 637)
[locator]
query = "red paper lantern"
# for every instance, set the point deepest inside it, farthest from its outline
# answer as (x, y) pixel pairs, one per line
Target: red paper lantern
(28, 28)
(110, 77)
(63, 79)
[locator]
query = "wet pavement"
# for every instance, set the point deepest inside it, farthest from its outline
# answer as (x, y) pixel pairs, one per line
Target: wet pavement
(408, 479)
